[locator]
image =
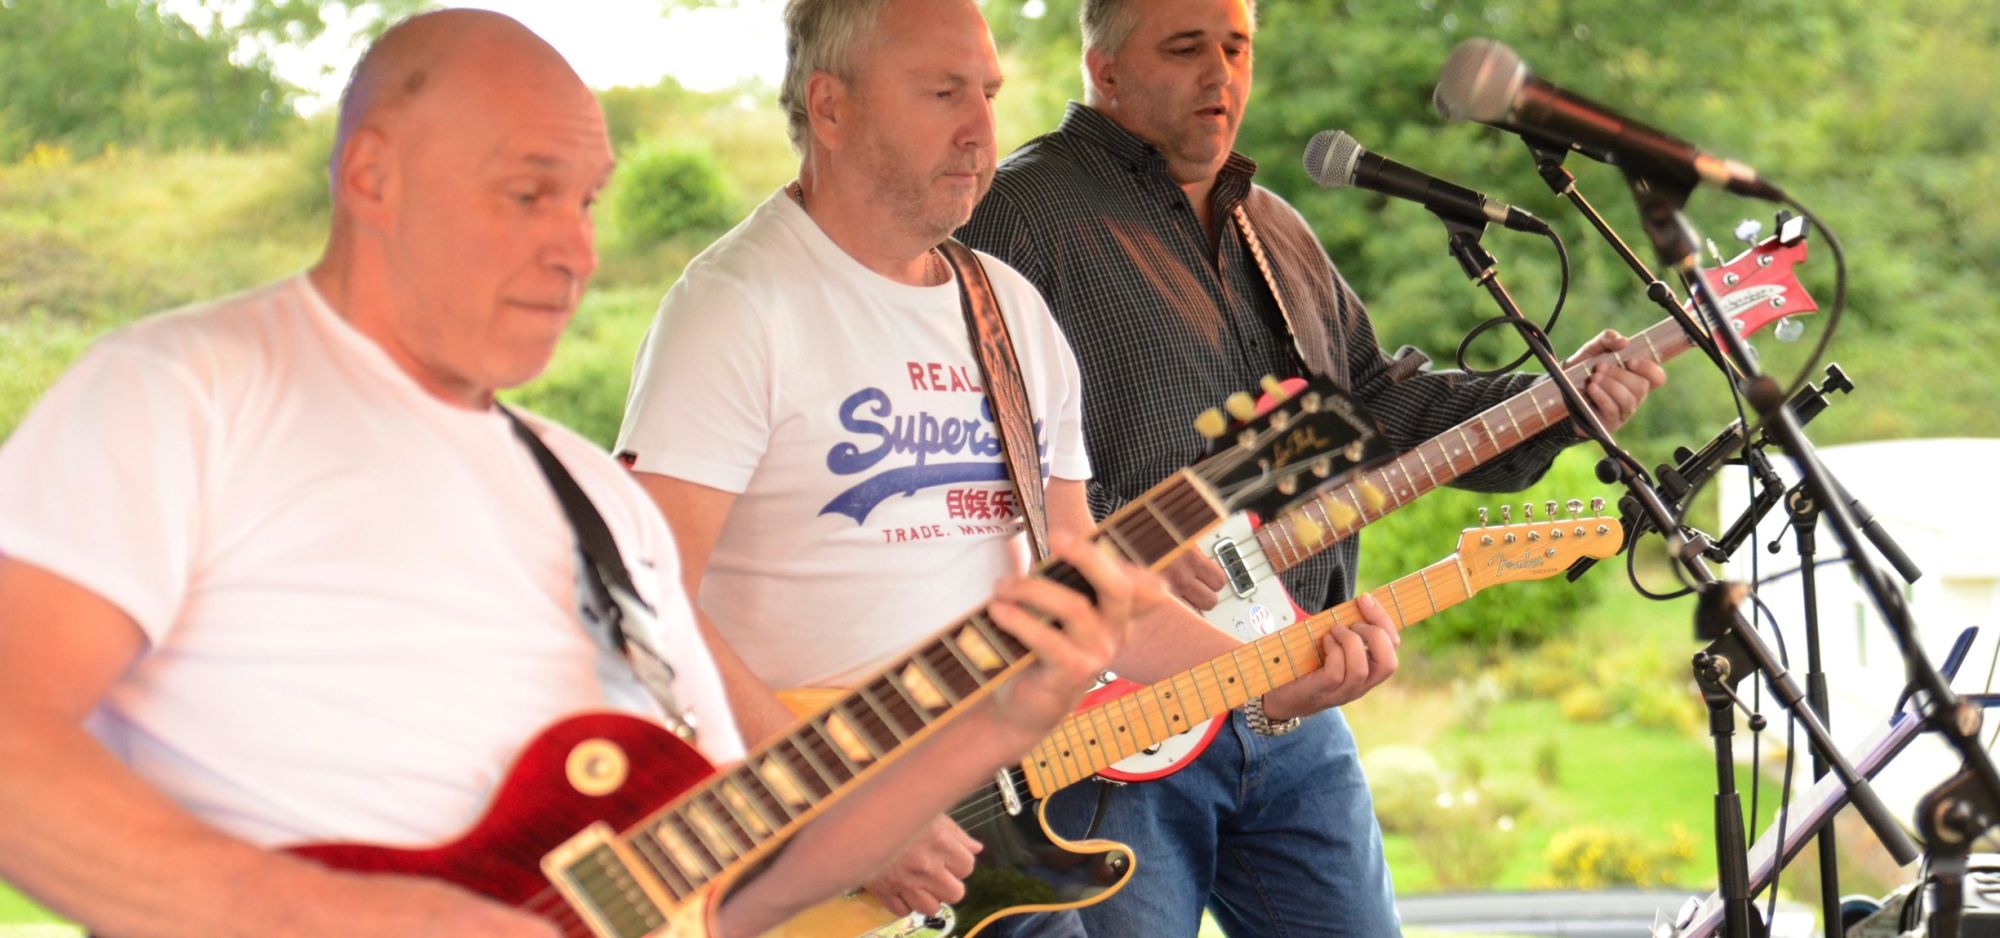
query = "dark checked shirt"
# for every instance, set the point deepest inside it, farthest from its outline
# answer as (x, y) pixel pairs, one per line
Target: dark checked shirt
(1165, 325)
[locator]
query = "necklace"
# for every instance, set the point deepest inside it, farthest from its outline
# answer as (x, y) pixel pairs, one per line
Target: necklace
(936, 271)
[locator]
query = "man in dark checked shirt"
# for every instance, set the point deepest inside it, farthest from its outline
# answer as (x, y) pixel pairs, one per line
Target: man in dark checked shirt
(1125, 216)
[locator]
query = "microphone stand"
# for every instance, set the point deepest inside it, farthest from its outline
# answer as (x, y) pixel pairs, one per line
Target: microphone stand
(1676, 244)
(1804, 519)
(1736, 648)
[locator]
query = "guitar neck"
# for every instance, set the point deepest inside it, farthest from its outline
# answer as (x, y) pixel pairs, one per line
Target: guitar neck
(1093, 739)
(738, 816)
(1334, 514)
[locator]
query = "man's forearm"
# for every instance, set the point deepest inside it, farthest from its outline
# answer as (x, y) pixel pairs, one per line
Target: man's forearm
(82, 834)
(1170, 638)
(759, 714)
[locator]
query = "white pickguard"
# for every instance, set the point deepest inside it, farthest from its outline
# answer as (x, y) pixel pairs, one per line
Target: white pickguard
(1253, 605)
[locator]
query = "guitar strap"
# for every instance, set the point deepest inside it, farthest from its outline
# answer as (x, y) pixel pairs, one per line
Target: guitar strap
(1255, 245)
(1000, 374)
(606, 595)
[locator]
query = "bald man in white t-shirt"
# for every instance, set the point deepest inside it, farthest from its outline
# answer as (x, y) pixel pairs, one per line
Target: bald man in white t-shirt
(275, 569)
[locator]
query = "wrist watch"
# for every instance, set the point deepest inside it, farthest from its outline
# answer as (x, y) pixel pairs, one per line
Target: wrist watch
(1253, 714)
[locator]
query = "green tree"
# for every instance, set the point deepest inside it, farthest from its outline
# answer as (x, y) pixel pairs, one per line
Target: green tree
(88, 75)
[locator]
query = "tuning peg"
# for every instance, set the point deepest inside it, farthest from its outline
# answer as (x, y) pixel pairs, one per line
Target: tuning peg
(1527, 511)
(1240, 406)
(1551, 506)
(1322, 468)
(1272, 387)
(1309, 402)
(1288, 485)
(1371, 496)
(1575, 507)
(1596, 507)
(1506, 514)
(1482, 516)
(1749, 230)
(1713, 254)
(1306, 530)
(1788, 329)
(1211, 424)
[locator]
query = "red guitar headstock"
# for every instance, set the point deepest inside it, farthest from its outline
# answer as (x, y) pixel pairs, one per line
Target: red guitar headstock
(1760, 286)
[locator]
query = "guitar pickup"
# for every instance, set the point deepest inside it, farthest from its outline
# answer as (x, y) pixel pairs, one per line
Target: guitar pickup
(1233, 567)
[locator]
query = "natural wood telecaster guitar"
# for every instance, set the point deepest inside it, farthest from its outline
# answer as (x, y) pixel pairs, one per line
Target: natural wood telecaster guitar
(1025, 867)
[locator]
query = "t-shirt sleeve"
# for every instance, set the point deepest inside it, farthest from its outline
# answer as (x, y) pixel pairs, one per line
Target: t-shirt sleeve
(1070, 459)
(702, 389)
(102, 483)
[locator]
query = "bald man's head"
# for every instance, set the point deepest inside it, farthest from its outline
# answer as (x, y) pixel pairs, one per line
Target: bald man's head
(468, 156)
(398, 78)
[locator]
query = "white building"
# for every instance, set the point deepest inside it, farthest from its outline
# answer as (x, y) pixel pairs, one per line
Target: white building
(1931, 497)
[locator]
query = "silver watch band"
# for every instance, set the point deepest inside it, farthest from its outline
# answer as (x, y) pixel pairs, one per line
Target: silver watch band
(1253, 714)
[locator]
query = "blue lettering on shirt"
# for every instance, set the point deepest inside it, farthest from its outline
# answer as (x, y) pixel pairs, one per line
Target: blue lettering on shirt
(869, 414)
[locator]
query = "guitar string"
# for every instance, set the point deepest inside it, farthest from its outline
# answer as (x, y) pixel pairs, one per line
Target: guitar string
(990, 804)
(1674, 344)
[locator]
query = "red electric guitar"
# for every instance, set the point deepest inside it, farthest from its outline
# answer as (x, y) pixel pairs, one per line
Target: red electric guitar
(1757, 288)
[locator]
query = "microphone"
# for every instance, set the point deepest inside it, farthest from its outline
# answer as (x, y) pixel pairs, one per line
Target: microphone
(1334, 160)
(1485, 81)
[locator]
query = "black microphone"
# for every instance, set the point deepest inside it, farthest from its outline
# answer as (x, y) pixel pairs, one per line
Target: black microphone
(1487, 82)
(1334, 160)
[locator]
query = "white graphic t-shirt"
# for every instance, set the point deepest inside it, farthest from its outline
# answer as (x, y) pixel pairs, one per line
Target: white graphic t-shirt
(845, 411)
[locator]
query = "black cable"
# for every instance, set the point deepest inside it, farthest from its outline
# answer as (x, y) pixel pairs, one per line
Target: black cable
(1791, 759)
(1529, 331)
(1833, 315)
(1790, 572)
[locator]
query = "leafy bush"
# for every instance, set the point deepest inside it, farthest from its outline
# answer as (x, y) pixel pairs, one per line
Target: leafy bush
(1592, 857)
(662, 192)
(1405, 782)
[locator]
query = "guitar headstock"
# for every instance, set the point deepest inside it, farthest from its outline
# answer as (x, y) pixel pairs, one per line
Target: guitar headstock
(1761, 286)
(1511, 551)
(1275, 452)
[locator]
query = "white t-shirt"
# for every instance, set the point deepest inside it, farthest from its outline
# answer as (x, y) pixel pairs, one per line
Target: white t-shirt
(845, 410)
(360, 600)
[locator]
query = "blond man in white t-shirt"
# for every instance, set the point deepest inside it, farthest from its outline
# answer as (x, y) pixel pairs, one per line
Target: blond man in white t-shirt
(807, 411)
(274, 569)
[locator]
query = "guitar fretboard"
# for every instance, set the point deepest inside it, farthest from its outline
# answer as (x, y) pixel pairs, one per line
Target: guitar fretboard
(738, 813)
(1092, 739)
(1341, 509)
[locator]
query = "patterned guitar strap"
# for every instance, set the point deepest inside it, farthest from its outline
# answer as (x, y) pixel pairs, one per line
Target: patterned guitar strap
(1000, 374)
(1255, 245)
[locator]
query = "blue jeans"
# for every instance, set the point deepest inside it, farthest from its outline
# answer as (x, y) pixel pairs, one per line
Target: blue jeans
(1274, 835)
